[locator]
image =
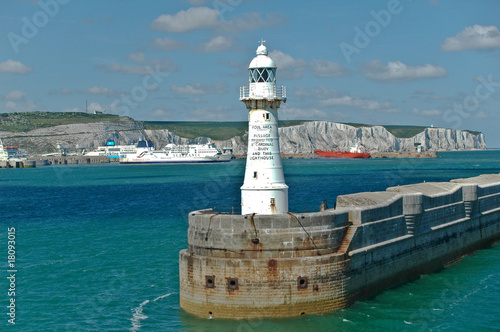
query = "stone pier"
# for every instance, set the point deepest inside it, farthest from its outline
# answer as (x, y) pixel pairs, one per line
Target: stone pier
(245, 266)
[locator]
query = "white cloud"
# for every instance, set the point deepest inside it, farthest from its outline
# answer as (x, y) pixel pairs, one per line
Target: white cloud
(15, 95)
(481, 115)
(199, 89)
(189, 89)
(28, 106)
(99, 90)
(219, 43)
(138, 57)
(14, 67)
(187, 20)
(167, 44)
(197, 2)
(211, 114)
(96, 107)
(358, 102)
(294, 113)
(397, 71)
(74, 109)
(252, 21)
(283, 60)
(163, 113)
(288, 67)
(149, 67)
(318, 92)
(124, 69)
(10, 105)
(477, 37)
(432, 112)
(207, 18)
(424, 92)
(65, 91)
(324, 68)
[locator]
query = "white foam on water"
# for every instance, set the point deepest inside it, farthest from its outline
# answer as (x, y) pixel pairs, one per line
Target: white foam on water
(138, 316)
(163, 296)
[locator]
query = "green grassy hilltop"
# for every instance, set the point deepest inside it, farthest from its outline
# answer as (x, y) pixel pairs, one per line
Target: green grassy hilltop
(26, 121)
(214, 130)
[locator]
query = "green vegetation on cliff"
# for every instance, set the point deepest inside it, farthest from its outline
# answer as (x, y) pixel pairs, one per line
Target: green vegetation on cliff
(214, 130)
(26, 121)
(405, 131)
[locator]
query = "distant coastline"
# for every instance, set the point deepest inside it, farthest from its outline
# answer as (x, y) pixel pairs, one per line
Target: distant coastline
(47, 132)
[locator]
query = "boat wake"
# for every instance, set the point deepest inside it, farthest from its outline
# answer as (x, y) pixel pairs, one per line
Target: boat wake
(138, 315)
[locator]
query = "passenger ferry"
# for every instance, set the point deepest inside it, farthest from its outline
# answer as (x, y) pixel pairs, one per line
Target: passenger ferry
(119, 151)
(11, 153)
(172, 153)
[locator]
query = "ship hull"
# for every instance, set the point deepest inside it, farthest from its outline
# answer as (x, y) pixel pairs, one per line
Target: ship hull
(341, 154)
(177, 154)
(144, 162)
(169, 160)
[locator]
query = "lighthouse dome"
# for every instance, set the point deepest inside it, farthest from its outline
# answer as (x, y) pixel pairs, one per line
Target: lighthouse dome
(262, 60)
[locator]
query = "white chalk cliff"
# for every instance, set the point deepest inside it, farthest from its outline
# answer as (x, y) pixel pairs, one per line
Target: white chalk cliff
(304, 138)
(323, 135)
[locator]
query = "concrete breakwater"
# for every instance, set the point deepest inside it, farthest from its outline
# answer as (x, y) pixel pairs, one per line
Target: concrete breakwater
(73, 160)
(56, 160)
(374, 154)
(244, 266)
(398, 155)
(17, 163)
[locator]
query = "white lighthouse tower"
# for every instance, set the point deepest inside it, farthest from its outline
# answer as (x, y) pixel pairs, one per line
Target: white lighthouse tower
(264, 190)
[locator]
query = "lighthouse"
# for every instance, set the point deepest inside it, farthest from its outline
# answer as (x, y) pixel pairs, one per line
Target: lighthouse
(264, 190)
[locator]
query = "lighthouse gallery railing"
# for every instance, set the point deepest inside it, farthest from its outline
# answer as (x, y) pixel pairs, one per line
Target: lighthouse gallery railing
(273, 92)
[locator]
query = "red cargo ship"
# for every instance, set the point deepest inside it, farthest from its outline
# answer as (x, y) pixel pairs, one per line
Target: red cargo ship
(355, 152)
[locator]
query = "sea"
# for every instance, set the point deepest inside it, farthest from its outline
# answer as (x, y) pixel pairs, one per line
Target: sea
(96, 247)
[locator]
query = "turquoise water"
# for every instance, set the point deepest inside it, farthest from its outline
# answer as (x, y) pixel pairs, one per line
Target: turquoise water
(97, 246)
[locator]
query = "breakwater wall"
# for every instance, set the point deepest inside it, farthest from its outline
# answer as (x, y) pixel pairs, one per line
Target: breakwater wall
(73, 160)
(426, 154)
(56, 160)
(245, 266)
(17, 163)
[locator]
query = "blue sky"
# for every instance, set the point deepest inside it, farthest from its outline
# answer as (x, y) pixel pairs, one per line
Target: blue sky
(428, 62)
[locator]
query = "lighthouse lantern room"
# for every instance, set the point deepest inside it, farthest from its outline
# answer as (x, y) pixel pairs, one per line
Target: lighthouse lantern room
(264, 190)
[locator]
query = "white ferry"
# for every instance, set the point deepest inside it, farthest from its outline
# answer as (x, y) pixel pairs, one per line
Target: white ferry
(11, 153)
(119, 151)
(172, 153)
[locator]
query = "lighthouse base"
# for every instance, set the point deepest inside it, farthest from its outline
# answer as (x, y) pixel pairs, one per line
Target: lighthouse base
(264, 201)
